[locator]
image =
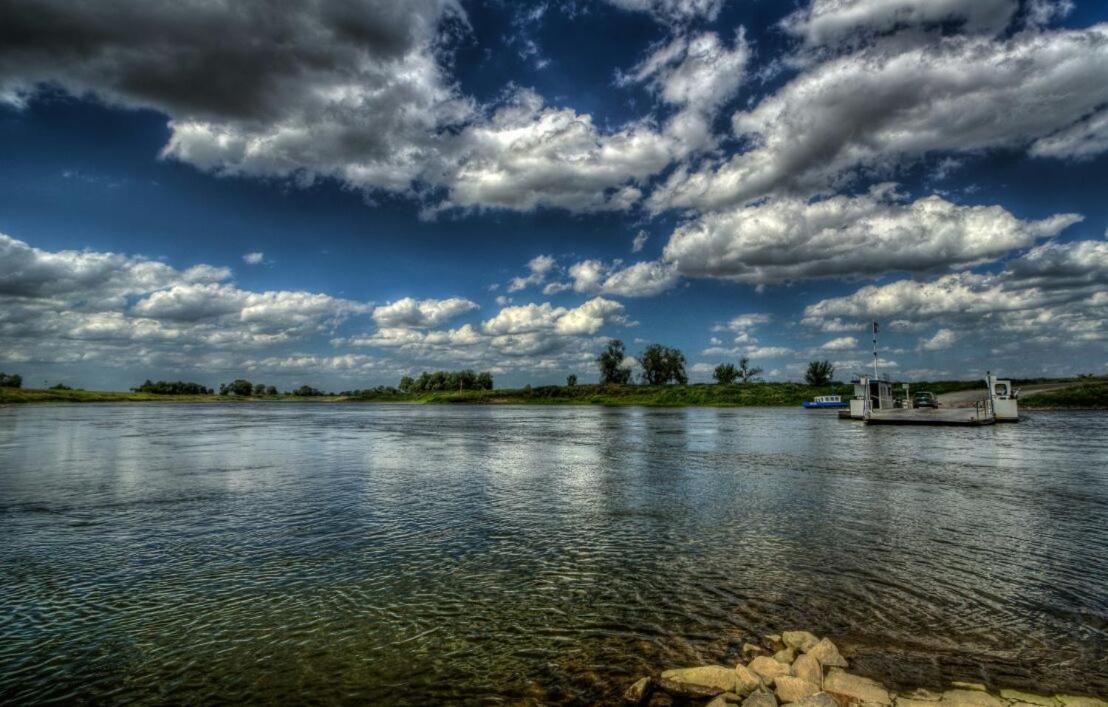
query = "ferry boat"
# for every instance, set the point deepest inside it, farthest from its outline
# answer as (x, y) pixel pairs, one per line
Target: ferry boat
(826, 401)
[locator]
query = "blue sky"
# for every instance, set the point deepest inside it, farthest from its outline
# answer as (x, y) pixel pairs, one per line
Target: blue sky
(504, 186)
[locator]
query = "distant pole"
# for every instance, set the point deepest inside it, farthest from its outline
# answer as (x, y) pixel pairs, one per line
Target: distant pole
(875, 374)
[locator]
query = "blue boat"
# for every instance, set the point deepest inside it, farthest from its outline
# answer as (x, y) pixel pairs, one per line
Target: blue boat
(826, 401)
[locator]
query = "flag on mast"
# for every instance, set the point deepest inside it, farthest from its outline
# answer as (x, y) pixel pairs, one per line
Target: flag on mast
(875, 328)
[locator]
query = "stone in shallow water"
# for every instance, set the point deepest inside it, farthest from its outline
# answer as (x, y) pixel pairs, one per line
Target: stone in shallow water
(1081, 701)
(639, 692)
(760, 698)
(855, 688)
(827, 654)
(750, 651)
(793, 689)
(910, 702)
(727, 698)
(970, 698)
(747, 680)
(921, 694)
(768, 668)
(703, 681)
(980, 687)
(820, 699)
(1028, 698)
(808, 668)
(800, 640)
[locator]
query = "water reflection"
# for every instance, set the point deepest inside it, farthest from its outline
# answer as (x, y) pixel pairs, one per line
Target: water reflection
(414, 554)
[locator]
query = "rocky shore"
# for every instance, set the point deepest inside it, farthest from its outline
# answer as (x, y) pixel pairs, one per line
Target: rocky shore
(801, 670)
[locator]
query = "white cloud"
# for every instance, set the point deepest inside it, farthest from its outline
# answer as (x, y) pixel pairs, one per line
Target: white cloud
(673, 10)
(643, 279)
(885, 105)
(942, 339)
(411, 312)
(253, 258)
(828, 22)
(791, 238)
(639, 241)
(843, 343)
(539, 266)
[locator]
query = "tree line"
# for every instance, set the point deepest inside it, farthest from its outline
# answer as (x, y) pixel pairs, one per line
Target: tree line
(13, 380)
(439, 381)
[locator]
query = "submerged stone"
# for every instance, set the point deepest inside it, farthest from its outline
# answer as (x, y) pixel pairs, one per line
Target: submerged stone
(820, 699)
(703, 681)
(785, 655)
(747, 680)
(1081, 701)
(639, 692)
(1028, 698)
(727, 698)
(970, 698)
(969, 686)
(855, 688)
(751, 651)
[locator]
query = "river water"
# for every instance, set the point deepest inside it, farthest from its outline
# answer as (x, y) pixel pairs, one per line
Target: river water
(423, 554)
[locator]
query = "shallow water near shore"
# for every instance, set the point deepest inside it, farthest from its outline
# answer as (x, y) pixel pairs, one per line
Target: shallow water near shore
(415, 554)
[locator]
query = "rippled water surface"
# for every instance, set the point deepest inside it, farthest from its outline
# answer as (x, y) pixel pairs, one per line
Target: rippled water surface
(410, 554)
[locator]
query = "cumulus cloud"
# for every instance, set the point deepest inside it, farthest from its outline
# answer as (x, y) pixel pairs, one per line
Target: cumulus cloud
(942, 339)
(882, 106)
(411, 312)
(642, 279)
(540, 266)
(254, 258)
(102, 306)
(1054, 290)
(843, 343)
(791, 238)
(826, 22)
(673, 10)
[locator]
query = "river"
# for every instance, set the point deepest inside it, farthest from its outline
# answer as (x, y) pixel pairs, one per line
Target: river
(422, 554)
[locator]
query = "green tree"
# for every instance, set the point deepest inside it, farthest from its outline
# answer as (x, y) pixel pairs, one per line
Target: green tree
(307, 391)
(484, 380)
(571, 380)
(746, 371)
(819, 373)
(611, 363)
(259, 389)
(13, 380)
(662, 364)
(271, 390)
(725, 374)
(406, 383)
(239, 386)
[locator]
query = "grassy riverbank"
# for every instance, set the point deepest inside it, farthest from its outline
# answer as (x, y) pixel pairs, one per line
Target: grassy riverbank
(1090, 395)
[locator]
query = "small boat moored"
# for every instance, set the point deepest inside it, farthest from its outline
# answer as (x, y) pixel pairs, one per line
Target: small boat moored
(826, 401)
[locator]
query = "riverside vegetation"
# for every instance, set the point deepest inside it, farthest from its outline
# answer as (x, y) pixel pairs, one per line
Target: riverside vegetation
(799, 669)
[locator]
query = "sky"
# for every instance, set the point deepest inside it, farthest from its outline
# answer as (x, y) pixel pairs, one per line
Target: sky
(342, 193)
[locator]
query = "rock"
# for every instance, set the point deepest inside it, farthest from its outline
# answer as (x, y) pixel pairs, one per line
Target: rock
(970, 698)
(922, 695)
(785, 655)
(760, 698)
(747, 680)
(808, 668)
(854, 688)
(768, 668)
(1029, 698)
(639, 693)
(1081, 701)
(820, 699)
(827, 654)
(751, 651)
(969, 686)
(910, 702)
(793, 689)
(802, 641)
(773, 643)
(727, 698)
(700, 682)
(660, 699)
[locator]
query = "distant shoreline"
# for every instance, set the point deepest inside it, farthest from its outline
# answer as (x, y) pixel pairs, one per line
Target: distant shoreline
(1089, 394)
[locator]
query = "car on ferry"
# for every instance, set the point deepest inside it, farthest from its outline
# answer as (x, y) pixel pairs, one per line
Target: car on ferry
(925, 400)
